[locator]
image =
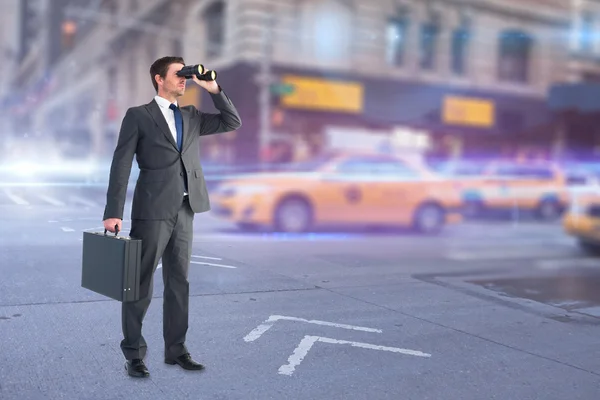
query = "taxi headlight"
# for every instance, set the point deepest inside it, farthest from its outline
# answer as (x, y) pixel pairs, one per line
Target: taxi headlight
(243, 190)
(251, 189)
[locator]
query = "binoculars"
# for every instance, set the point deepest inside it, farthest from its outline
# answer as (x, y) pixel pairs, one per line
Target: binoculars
(198, 71)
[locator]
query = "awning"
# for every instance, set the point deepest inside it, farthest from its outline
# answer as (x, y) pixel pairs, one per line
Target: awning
(581, 97)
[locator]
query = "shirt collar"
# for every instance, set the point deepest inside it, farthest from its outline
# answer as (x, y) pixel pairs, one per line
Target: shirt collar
(162, 102)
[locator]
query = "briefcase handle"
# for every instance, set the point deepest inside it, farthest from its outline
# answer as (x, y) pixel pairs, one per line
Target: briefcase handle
(116, 230)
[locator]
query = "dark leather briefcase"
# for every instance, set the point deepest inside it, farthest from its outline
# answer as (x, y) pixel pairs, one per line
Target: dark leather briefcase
(111, 265)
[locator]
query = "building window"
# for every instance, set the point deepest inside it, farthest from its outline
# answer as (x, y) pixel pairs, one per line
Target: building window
(590, 77)
(586, 33)
(515, 52)
(214, 34)
(430, 32)
(177, 46)
(110, 6)
(332, 30)
(460, 45)
(396, 38)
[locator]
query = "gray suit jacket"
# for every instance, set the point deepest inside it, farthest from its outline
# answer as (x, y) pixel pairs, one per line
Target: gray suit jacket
(159, 189)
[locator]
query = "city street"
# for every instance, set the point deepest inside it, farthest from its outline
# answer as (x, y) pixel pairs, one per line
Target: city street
(376, 315)
(297, 114)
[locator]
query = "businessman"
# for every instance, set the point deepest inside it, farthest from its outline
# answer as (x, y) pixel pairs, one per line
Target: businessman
(169, 191)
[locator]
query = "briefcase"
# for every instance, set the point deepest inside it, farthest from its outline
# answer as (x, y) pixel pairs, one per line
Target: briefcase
(111, 265)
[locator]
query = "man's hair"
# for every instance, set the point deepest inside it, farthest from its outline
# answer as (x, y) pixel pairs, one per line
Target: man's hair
(161, 66)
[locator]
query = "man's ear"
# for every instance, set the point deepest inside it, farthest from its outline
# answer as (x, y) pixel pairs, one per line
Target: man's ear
(157, 78)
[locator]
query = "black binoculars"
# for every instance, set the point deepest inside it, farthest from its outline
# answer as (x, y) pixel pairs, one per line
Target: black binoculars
(197, 70)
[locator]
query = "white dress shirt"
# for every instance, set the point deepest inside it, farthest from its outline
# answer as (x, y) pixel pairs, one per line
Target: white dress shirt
(169, 115)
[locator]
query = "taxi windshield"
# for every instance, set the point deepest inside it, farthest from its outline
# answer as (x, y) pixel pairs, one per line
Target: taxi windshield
(313, 164)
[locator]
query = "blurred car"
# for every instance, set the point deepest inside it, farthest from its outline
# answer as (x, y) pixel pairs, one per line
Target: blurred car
(462, 168)
(582, 219)
(539, 187)
(577, 177)
(341, 189)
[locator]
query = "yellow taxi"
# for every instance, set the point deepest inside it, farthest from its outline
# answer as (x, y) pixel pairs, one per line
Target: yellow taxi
(582, 219)
(341, 189)
(539, 187)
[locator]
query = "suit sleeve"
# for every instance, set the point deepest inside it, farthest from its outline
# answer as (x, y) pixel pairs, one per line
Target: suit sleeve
(120, 168)
(227, 120)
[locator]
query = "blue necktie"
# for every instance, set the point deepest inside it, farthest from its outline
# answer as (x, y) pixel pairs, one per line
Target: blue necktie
(178, 125)
(179, 128)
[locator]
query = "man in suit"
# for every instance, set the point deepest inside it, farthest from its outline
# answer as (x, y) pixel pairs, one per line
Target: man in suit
(169, 191)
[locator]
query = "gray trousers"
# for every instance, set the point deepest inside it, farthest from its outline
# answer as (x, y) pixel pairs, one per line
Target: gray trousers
(172, 241)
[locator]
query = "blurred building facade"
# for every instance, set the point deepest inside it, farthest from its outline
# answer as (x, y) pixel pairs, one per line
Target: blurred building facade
(575, 104)
(472, 77)
(9, 47)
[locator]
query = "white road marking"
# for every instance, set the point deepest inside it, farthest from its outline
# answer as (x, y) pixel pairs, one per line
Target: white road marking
(568, 263)
(66, 229)
(496, 254)
(308, 341)
(205, 263)
(81, 200)
(245, 237)
(16, 199)
(208, 258)
(593, 311)
(51, 200)
(266, 325)
(212, 264)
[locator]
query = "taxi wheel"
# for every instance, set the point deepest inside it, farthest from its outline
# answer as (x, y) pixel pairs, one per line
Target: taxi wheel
(592, 249)
(472, 208)
(248, 227)
(429, 218)
(548, 210)
(293, 215)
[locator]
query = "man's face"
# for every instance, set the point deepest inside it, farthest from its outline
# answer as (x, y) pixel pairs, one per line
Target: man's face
(173, 84)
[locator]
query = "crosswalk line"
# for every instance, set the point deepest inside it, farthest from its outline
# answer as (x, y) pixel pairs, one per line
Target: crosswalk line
(15, 199)
(51, 200)
(81, 200)
(22, 200)
(208, 258)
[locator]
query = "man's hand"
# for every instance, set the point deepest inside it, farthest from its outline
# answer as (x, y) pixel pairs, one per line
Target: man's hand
(210, 86)
(109, 224)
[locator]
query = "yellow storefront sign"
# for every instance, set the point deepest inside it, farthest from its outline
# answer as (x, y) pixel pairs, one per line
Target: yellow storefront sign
(468, 111)
(322, 94)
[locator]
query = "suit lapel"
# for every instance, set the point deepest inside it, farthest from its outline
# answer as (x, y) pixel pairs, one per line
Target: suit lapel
(159, 118)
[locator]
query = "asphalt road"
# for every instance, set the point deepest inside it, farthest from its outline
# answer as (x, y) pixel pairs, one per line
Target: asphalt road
(385, 315)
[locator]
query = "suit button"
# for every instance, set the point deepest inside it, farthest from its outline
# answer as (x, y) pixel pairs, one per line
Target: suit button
(181, 174)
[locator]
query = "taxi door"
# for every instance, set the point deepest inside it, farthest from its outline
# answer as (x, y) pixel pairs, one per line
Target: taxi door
(527, 186)
(350, 192)
(402, 190)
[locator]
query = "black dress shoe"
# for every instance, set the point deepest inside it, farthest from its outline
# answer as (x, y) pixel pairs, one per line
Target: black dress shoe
(186, 362)
(137, 368)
